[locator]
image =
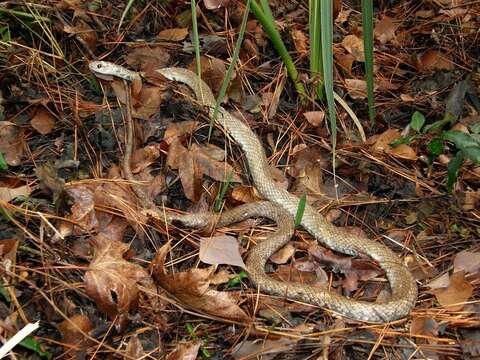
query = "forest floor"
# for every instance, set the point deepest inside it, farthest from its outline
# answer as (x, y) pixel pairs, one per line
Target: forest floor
(104, 280)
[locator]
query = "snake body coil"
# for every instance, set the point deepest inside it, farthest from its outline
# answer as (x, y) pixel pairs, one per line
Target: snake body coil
(403, 287)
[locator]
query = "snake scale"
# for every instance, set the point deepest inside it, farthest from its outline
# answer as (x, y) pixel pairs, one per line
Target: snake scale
(281, 206)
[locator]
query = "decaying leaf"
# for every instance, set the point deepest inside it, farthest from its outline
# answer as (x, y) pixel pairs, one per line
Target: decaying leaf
(354, 45)
(357, 88)
(434, 60)
(221, 249)
(148, 100)
(454, 296)
(315, 118)
(467, 261)
(283, 255)
(7, 194)
(192, 288)
(144, 157)
(385, 30)
(383, 141)
(177, 34)
(244, 194)
(193, 163)
(11, 143)
(134, 348)
(300, 40)
(43, 121)
(213, 72)
(111, 281)
(72, 329)
(185, 351)
(424, 326)
(215, 4)
(148, 58)
(50, 181)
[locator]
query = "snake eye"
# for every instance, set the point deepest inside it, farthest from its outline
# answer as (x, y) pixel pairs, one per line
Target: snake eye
(99, 66)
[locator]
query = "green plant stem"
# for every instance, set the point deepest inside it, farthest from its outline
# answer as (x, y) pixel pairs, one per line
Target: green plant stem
(196, 40)
(272, 32)
(231, 67)
(367, 19)
(315, 45)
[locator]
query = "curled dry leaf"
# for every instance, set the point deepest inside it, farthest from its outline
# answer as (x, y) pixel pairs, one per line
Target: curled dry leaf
(43, 121)
(215, 4)
(434, 60)
(111, 281)
(244, 194)
(354, 45)
(454, 296)
(177, 34)
(385, 30)
(71, 330)
(283, 255)
(179, 129)
(300, 40)
(192, 288)
(222, 249)
(185, 351)
(11, 143)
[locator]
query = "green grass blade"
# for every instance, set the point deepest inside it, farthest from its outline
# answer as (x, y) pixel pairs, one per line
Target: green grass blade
(367, 19)
(221, 194)
(273, 33)
(314, 20)
(231, 67)
(327, 63)
(452, 170)
(196, 39)
(300, 210)
(124, 14)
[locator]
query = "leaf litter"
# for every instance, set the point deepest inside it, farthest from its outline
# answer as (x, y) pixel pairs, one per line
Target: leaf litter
(107, 241)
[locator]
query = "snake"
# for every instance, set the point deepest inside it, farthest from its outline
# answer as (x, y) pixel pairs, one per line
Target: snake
(281, 206)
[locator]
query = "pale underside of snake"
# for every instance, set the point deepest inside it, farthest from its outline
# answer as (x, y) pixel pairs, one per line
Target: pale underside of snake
(281, 206)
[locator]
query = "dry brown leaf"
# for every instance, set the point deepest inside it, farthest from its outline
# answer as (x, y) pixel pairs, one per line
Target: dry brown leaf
(354, 45)
(192, 288)
(11, 143)
(178, 129)
(185, 351)
(177, 34)
(424, 326)
(382, 142)
(7, 194)
(467, 261)
(144, 157)
(244, 194)
(356, 88)
(213, 72)
(221, 249)
(264, 349)
(193, 163)
(403, 151)
(283, 255)
(71, 334)
(134, 348)
(84, 33)
(148, 58)
(150, 99)
(83, 208)
(315, 118)
(441, 282)
(345, 60)
(111, 281)
(385, 30)
(300, 40)
(43, 121)
(459, 290)
(434, 60)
